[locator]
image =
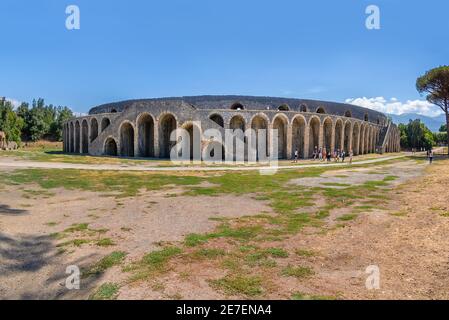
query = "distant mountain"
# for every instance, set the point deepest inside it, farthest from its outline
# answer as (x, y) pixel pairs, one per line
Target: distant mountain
(433, 123)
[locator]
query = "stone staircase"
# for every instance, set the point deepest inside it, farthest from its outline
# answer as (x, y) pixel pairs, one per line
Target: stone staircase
(383, 138)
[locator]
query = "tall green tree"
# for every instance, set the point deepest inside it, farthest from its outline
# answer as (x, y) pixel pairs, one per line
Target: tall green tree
(435, 84)
(62, 115)
(10, 123)
(416, 135)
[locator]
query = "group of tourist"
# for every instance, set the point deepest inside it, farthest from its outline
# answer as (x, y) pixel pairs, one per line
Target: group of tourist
(322, 154)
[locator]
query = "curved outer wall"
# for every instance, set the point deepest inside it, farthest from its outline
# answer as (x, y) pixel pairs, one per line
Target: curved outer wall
(139, 128)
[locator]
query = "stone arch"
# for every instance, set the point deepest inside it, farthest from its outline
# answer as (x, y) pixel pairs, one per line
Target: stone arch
(72, 138)
(110, 147)
(64, 138)
(339, 134)
(348, 114)
(189, 126)
(314, 134)
(85, 137)
(93, 129)
(77, 137)
(280, 122)
(284, 107)
(260, 122)
(126, 139)
(355, 138)
(167, 124)
(303, 108)
(237, 123)
(348, 137)
(218, 119)
(105, 122)
(298, 135)
(237, 106)
(367, 137)
(145, 135)
(374, 139)
(328, 127)
(321, 110)
(362, 139)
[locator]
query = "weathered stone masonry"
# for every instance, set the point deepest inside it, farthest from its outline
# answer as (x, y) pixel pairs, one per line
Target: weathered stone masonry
(141, 128)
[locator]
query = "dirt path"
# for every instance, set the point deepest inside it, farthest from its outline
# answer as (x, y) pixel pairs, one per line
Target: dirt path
(7, 162)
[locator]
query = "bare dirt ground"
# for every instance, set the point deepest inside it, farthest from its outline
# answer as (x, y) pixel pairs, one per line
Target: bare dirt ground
(32, 267)
(407, 240)
(406, 237)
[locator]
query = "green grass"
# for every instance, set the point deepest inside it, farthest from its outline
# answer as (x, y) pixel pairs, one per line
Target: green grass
(297, 272)
(113, 259)
(153, 263)
(304, 253)
(106, 242)
(224, 231)
(347, 217)
(335, 184)
(277, 252)
(402, 213)
(121, 184)
(77, 228)
(75, 242)
(157, 259)
(107, 291)
(303, 296)
(209, 253)
(249, 286)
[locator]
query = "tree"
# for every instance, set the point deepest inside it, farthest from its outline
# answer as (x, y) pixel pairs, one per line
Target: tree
(62, 114)
(435, 83)
(443, 128)
(10, 122)
(416, 135)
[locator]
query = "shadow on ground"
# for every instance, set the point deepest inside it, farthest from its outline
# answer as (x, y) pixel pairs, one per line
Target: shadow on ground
(8, 211)
(32, 269)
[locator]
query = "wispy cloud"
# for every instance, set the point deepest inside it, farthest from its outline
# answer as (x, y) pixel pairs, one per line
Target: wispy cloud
(13, 101)
(394, 106)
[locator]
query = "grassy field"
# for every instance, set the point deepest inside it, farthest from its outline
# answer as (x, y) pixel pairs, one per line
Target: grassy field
(250, 250)
(51, 152)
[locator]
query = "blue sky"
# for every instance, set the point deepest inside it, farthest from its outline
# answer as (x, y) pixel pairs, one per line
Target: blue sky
(141, 49)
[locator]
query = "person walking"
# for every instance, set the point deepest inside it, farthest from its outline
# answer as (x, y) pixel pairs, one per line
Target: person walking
(430, 156)
(320, 154)
(343, 155)
(296, 156)
(328, 156)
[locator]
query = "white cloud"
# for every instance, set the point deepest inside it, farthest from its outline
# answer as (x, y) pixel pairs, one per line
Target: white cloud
(14, 102)
(394, 106)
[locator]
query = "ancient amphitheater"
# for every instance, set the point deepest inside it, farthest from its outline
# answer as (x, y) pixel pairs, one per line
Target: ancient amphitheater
(141, 128)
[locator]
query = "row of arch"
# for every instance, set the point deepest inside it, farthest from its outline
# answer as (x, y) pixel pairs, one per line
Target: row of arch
(304, 108)
(148, 137)
(77, 137)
